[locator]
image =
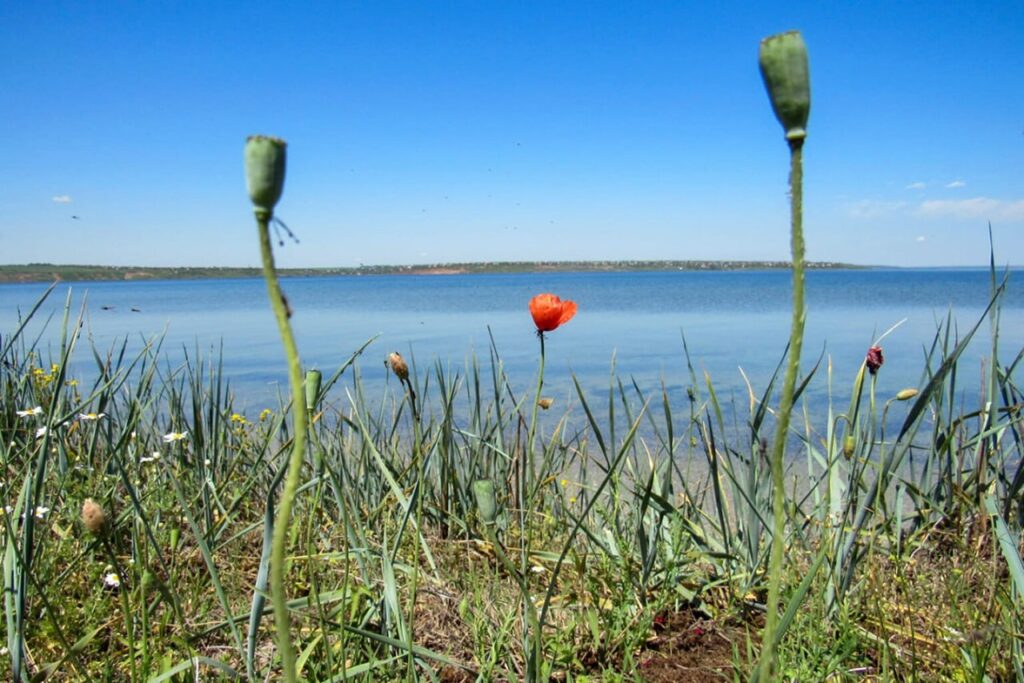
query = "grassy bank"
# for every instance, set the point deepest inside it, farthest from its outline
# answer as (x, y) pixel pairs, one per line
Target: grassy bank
(621, 553)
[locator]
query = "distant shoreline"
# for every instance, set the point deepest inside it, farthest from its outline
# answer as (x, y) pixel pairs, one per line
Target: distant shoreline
(48, 272)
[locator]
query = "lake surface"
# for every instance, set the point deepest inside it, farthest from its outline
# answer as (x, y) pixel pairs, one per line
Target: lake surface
(731, 321)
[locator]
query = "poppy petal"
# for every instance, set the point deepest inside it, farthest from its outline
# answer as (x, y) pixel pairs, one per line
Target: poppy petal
(568, 311)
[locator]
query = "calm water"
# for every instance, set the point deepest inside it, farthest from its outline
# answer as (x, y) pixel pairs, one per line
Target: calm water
(731, 321)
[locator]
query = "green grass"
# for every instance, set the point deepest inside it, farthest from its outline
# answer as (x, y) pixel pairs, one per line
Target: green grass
(638, 530)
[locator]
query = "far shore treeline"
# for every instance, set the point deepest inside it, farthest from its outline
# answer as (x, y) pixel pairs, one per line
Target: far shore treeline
(48, 272)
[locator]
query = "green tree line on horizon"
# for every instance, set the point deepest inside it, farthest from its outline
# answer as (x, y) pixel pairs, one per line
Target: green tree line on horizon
(46, 272)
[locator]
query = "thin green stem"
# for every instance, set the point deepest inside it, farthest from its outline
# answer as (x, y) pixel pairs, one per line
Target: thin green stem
(284, 511)
(126, 606)
(529, 609)
(766, 667)
(417, 445)
(526, 473)
(536, 405)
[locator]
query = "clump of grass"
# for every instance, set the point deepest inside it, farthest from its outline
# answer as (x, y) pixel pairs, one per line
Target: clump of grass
(395, 573)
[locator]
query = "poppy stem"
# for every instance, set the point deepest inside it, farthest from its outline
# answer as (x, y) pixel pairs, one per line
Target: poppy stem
(531, 436)
(277, 552)
(766, 668)
(531, 630)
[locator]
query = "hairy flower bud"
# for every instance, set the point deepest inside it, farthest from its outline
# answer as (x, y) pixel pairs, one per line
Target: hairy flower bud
(783, 60)
(264, 172)
(849, 444)
(398, 365)
(906, 394)
(93, 517)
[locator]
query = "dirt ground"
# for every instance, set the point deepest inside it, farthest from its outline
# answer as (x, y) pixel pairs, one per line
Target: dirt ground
(687, 647)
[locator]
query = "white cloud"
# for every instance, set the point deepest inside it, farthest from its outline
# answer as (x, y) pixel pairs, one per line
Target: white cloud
(62, 199)
(872, 208)
(976, 208)
(917, 186)
(920, 238)
(955, 184)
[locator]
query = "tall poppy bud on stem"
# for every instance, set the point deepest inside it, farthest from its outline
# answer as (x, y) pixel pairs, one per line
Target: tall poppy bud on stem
(783, 62)
(784, 70)
(264, 172)
(264, 175)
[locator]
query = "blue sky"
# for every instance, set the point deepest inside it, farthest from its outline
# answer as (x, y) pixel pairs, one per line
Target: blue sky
(478, 131)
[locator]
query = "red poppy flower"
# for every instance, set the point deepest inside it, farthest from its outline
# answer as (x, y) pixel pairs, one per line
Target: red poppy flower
(874, 359)
(549, 311)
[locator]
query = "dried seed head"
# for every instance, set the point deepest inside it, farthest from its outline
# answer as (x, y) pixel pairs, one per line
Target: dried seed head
(264, 172)
(398, 365)
(783, 62)
(93, 517)
(545, 402)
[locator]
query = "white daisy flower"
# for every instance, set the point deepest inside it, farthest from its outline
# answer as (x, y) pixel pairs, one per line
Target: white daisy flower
(175, 436)
(91, 417)
(112, 581)
(150, 458)
(40, 512)
(38, 410)
(41, 432)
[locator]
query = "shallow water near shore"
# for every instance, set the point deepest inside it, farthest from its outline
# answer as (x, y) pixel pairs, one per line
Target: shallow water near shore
(735, 324)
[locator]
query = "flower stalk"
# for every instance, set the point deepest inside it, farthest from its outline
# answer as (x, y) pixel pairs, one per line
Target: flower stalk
(265, 168)
(549, 312)
(783, 61)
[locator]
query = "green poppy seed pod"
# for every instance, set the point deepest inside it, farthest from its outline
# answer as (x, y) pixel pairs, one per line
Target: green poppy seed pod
(906, 394)
(486, 500)
(783, 62)
(312, 383)
(264, 172)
